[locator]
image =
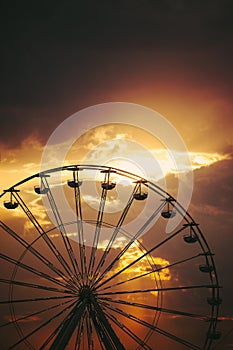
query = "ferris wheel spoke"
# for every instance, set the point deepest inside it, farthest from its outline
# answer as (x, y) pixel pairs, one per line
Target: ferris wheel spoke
(153, 270)
(102, 335)
(79, 334)
(156, 308)
(99, 318)
(28, 316)
(128, 331)
(43, 234)
(116, 230)
(68, 326)
(80, 329)
(78, 208)
(89, 332)
(138, 259)
(56, 332)
(152, 327)
(86, 320)
(99, 339)
(149, 290)
(61, 228)
(33, 251)
(32, 270)
(97, 231)
(129, 244)
(49, 338)
(36, 286)
(40, 327)
(29, 300)
(104, 330)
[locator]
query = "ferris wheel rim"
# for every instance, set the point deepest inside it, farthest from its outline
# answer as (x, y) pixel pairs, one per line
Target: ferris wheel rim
(151, 186)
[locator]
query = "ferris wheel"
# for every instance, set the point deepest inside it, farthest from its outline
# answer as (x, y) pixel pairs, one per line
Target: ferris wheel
(98, 269)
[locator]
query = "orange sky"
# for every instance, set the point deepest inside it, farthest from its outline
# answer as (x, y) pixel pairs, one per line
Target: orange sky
(173, 57)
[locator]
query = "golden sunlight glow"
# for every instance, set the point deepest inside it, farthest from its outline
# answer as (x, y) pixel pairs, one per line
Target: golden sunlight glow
(126, 164)
(119, 146)
(204, 159)
(145, 265)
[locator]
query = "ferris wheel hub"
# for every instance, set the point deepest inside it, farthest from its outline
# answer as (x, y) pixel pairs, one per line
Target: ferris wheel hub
(86, 294)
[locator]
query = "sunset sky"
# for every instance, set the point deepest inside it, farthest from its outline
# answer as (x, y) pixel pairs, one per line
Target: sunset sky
(173, 56)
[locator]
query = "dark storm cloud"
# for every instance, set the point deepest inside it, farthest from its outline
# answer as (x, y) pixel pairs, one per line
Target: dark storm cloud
(56, 52)
(213, 187)
(212, 208)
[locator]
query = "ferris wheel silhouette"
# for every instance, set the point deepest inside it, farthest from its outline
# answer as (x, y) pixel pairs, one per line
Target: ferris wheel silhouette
(95, 281)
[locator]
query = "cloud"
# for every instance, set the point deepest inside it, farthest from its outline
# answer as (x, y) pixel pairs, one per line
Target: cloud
(153, 164)
(203, 159)
(212, 208)
(213, 188)
(19, 163)
(145, 265)
(124, 53)
(23, 319)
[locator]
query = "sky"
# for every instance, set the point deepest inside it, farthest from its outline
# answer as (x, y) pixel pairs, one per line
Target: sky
(174, 57)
